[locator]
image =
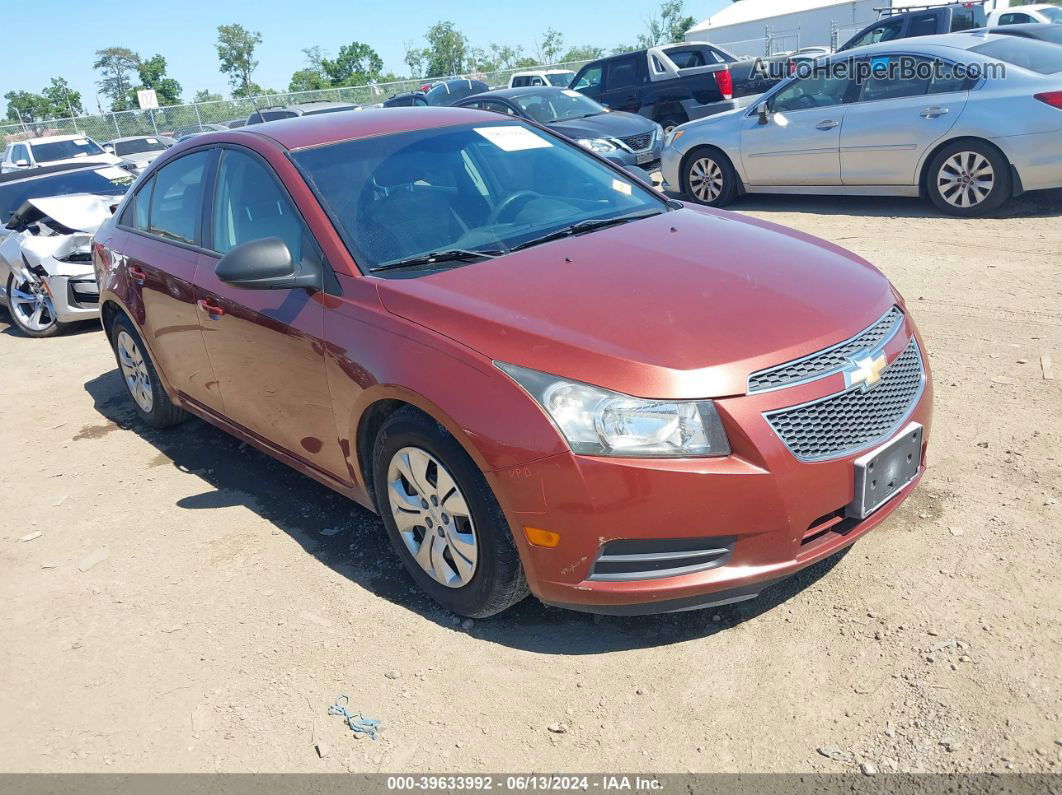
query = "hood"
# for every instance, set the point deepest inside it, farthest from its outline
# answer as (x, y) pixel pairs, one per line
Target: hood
(141, 159)
(681, 305)
(105, 158)
(81, 211)
(604, 125)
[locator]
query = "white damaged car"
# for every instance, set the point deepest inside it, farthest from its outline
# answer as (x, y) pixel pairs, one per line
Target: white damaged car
(46, 268)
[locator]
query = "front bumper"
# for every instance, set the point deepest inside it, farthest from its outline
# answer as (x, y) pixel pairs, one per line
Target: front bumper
(774, 514)
(74, 297)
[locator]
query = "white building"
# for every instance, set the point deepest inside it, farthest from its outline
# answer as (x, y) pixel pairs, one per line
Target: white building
(744, 27)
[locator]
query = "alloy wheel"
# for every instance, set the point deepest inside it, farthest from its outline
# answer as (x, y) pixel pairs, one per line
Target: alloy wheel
(966, 179)
(432, 516)
(706, 179)
(134, 370)
(30, 301)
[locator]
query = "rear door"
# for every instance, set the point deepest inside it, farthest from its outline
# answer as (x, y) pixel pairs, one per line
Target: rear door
(266, 346)
(160, 255)
(623, 82)
(800, 143)
(897, 117)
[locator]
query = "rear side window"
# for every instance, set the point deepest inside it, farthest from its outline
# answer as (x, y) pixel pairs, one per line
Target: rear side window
(177, 198)
(1036, 56)
(622, 74)
(922, 25)
(894, 82)
(250, 205)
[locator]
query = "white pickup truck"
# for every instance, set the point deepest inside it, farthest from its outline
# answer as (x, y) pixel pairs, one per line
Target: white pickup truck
(542, 77)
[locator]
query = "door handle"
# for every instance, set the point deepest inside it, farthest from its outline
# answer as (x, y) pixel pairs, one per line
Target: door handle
(212, 310)
(137, 275)
(828, 124)
(933, 113)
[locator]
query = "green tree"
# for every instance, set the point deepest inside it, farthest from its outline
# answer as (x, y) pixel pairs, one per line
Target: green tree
(582, 53)
(236, 46)
(63, 100)
(203, 95)
(446, 51)
(25, 106)
(116, 65)
(669, 27)
(356, 65)
(415, 59)
(153, 75)
(311, 77)
(551, 45)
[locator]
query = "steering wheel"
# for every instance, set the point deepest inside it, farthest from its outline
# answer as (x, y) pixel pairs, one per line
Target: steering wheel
(508, 202)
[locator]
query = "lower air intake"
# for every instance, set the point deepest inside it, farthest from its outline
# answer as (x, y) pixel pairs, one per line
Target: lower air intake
(645, 559)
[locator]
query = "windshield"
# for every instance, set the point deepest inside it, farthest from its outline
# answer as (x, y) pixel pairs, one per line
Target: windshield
(138, 145)
(1036, 56)
(551, 105)
(491, 186)
(106, 181)
(562, 79)
(64, 150)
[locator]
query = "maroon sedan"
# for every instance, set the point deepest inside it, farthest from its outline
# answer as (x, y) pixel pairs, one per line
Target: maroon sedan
(541, 373)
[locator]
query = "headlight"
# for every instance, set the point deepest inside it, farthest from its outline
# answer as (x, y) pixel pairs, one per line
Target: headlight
(598, 144)
(596, 421)
(673, 136)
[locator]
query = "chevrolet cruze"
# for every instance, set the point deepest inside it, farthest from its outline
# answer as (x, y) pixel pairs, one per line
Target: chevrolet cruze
(540, 372)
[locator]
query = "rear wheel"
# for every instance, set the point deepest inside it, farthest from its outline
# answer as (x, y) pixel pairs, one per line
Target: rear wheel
(669, 123)
(442, 518)
(31, 308)
(969, 178)
(150, 400)
(709, 178)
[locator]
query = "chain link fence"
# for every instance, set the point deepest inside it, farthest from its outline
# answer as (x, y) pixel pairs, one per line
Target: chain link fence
(171, 118)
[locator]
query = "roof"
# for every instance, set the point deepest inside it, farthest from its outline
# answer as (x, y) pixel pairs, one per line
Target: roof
(543, 72)
(755, 10)
(50, 138)
(132, 138)
(325, 128)
(507, 93)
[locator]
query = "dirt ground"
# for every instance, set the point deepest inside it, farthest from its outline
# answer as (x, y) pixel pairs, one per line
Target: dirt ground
(226, 601)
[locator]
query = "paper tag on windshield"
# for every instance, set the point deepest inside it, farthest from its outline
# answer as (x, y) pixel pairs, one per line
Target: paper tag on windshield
(152, 140)
(621, 186)
(81, 141)
(113, 172)
(513, 139)
(569, 93)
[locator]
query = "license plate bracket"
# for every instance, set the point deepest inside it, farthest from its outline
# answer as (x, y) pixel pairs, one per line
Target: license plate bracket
(884, 471)
(641, 160)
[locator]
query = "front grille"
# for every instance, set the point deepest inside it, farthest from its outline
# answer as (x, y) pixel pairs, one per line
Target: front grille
(644, 559)
(636, 143)
(830, 360)
(843, 423)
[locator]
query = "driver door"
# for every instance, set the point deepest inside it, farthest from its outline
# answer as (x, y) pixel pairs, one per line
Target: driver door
(800, 143)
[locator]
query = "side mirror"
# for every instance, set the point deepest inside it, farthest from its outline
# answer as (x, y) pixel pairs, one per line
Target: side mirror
(266, 264)
(21, 163)
(763, 112)
(108, 149)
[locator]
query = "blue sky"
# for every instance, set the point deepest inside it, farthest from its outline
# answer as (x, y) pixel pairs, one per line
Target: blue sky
(67, 33)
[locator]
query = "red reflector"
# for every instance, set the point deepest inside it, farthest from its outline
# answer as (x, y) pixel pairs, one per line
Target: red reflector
(1052, 98)
(725, 83)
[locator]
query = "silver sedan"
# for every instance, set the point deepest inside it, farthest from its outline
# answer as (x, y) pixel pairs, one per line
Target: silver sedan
(967, 120)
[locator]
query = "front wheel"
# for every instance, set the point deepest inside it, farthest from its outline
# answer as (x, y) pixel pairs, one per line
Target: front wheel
(969, 178)
(150, 400)
(442, 518)
(31, 308)
(709, 178)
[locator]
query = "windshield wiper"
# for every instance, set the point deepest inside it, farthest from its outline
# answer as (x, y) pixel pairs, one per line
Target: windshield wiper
(433, 257)
(588, 225)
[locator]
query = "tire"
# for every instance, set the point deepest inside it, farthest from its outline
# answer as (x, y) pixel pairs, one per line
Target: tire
(150, 401)
(709, 178)
(669, 123)
(956, 179)
(22, 314)
(449, 522)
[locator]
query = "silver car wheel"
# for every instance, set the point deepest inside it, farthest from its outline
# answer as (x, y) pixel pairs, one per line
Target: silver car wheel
(432, 516)
(966, 179)
(706, 179)
(135, 372)
(29, 300)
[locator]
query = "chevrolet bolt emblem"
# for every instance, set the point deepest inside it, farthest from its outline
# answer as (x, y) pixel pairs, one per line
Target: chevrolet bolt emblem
(865, 369)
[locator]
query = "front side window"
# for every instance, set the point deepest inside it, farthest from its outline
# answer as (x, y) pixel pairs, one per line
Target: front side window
(590, 78)
(622, 73)
(821, 89)
(19, 153)
(177, 199)
(250, 205)
(895, 78)
(560, 79)
(922, 25)
(66, 150)
(481, 187)
(1053, 15)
